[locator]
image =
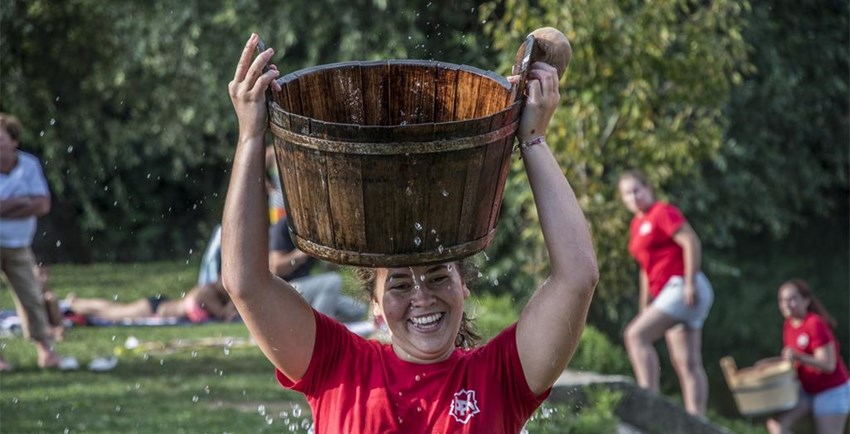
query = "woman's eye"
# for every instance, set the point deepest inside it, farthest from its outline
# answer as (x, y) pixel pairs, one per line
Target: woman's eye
(439, 279)
(400, 287)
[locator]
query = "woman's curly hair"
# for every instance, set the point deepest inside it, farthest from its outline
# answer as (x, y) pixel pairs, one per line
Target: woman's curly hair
(467, 336)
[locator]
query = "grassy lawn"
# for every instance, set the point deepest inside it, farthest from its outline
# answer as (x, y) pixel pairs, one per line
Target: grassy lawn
(205, 389)
(225, 387)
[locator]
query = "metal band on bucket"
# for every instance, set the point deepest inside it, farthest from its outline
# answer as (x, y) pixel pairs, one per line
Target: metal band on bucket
(393, 148)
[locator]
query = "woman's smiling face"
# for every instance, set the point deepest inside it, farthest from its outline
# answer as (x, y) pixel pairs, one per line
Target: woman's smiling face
(423, 308)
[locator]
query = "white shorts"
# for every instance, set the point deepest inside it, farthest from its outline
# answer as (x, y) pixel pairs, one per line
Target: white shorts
(830, 401)
(671, 301)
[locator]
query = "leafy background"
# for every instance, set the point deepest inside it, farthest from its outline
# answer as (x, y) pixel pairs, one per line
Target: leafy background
(737, 111)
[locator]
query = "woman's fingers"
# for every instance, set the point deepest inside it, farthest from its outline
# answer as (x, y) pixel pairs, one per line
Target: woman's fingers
(256, 70)
(245, 59)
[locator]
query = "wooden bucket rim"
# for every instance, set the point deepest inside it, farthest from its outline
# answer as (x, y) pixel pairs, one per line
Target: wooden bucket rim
(413, 62)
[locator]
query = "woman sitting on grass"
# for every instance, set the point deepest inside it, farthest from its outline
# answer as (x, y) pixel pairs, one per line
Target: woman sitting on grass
(201, 304)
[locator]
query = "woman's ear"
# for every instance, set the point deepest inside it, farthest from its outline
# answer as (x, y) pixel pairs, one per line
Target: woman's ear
(377, 312)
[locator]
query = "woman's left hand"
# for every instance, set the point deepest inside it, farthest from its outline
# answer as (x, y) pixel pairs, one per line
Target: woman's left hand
(690, 294)
(541, 101)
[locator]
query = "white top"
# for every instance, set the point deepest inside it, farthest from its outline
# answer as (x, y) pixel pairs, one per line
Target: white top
(25, 179)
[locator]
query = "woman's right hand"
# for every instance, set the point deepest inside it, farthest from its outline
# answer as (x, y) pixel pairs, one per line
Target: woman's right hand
(248, 89)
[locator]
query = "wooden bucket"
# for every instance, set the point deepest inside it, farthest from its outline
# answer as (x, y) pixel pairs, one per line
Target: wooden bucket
(768, 387)
(393, 163)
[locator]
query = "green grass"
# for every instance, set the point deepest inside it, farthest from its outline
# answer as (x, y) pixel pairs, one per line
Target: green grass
(212, 390)
(217, 389)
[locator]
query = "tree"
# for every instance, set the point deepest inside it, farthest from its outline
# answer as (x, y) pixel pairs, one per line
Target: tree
(127, 104)
(646, 89)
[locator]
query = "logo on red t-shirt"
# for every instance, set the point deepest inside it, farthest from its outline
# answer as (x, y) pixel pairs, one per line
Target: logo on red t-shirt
(464, 406)
(802, 340)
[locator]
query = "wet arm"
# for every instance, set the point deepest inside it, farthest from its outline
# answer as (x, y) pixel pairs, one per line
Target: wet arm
(552, 322)
(278, 318)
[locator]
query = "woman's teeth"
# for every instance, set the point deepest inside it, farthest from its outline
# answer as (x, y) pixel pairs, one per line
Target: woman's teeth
(427, 319)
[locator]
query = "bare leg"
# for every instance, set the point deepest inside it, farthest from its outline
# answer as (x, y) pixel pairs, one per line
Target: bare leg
(782, 422)
(47, 356)
(108, 310)
(685, 346)
(831, 423)
(4, 365)
(640, 335)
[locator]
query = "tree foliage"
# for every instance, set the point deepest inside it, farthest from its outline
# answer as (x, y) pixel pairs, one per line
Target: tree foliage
(737, 111)
(128, 109)
(646, 89)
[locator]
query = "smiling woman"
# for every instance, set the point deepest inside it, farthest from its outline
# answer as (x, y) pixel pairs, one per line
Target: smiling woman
(430, 377)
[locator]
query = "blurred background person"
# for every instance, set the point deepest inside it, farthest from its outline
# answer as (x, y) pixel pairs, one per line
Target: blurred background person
(808, 342)
(675, 296)
(24, 196)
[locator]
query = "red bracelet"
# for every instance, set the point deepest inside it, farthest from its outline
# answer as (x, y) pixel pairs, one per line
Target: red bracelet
(535, 141)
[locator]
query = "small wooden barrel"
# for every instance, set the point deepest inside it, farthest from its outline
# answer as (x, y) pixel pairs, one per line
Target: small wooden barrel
(393, 163)
(770, 386)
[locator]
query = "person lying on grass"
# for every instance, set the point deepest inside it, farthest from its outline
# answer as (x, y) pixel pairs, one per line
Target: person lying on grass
(202, 303)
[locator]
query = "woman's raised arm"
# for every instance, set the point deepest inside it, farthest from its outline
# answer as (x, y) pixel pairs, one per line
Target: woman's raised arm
(278, 318)
(552, 322)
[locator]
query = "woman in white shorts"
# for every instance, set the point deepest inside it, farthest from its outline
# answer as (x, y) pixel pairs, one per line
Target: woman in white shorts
(675, 297)
(808, 341)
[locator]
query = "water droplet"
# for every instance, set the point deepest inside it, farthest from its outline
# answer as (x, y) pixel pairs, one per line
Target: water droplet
(41, 133)
(70, 148)
(195, 398)
(445, 193)
(417, 378)
(58, 243)
(408, 191)
(417, 241)
(440, 249)
(261, 409)
(52, 121)
(117, 408)
(418, 226)
(296, 411)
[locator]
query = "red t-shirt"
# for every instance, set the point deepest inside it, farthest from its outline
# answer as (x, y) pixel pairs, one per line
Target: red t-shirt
(356, 386)
(651, 244)
(812, 334)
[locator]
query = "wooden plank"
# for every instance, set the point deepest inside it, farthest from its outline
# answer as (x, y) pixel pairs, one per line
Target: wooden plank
(445, 93)
(345, 188)
(346, 90)
(376, 91)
